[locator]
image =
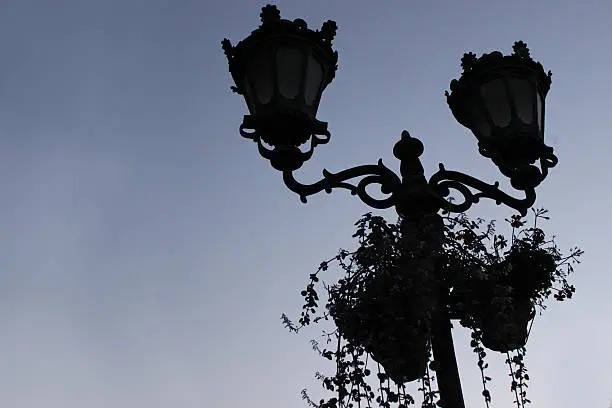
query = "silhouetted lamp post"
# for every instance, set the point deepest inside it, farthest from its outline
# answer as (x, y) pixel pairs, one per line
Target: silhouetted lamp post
(283, 67)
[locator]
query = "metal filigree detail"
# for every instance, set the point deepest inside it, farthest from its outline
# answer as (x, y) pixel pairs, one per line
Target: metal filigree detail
(444, 181)
(272, 28)
(468, 61)
(269, 14)
(520, 54)
(372, 174)
(520, 50)
(285, 157)
(328, 31)
(228, 49)
(548, 160)
(300, 24)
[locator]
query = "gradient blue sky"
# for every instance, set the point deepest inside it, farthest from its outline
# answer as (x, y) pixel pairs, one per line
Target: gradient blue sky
(147, 251)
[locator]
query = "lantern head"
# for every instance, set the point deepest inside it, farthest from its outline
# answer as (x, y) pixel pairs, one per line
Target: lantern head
(281, 69)
(501, 100)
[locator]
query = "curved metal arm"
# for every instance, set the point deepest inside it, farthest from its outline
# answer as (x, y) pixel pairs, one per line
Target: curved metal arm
(443, 181)
(372, 174)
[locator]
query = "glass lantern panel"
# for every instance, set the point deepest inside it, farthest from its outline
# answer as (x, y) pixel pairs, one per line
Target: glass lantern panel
(249, 96)
(314, 80)
(260, 76)
(479, 120)
(497, 102)
(522, 91)
(289, 63)
(540, 114)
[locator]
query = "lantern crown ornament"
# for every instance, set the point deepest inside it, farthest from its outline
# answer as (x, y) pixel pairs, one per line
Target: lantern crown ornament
(281, 69)
(501, 99)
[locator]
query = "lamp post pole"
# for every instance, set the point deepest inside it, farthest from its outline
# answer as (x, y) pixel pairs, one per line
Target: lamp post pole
(449, 382)
(283, 67)
(422, 216)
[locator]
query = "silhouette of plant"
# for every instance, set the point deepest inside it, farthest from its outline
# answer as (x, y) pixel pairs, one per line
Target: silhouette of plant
(498, 283)
(383, 303)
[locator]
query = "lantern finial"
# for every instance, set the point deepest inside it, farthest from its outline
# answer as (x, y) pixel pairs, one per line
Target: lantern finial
(328, 31)
(520, 50)
(269, 14)
(468, 61)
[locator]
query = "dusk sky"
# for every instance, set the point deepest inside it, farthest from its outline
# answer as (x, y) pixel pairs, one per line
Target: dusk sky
(147, 251)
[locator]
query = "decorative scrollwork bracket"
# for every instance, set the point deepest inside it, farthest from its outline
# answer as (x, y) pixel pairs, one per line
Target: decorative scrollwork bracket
(372, 174)
(444, 180)
(286, 156)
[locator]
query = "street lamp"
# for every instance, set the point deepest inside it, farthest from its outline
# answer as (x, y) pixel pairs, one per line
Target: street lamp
(283, 67)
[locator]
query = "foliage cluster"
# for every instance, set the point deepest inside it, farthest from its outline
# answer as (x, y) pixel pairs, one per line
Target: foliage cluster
(383, 304)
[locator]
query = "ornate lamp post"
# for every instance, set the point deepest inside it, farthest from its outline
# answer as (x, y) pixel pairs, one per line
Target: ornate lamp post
(283, 67)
